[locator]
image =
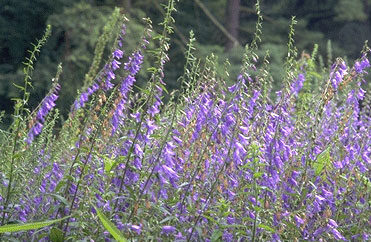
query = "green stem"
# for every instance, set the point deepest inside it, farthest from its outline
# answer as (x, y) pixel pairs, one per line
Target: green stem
(225, 165)
(156, 160)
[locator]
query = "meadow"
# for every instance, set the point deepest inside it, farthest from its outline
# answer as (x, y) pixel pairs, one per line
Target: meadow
(216, 162)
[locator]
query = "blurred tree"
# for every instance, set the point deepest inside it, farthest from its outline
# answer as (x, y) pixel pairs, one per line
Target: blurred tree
(232, 22)
(21, 23)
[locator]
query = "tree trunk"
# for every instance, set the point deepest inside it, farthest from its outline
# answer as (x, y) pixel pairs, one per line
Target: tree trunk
(126, 5)
(366, 7)
(232, 22)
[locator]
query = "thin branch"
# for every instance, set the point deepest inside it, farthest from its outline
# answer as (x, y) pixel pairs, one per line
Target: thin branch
(183, 39)
(250, 10)
(216, 22)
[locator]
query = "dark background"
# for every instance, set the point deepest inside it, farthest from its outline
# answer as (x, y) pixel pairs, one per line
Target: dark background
(340, 26)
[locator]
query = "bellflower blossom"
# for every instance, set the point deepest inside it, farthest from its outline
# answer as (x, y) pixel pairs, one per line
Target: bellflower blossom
(338, 76)
(363, 64)
(134, 63)
(167, 229)
(108, 71)
(136, 228)
(155, 108)
(47, 105)
(133, 66)
(298, 84)
(84, 97)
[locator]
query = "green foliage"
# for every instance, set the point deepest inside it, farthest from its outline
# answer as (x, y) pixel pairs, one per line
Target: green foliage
(110, 227)
(291, 56)
(350, 10)
(109, 31)
(79, 27)
(322, 162)
(10, 228)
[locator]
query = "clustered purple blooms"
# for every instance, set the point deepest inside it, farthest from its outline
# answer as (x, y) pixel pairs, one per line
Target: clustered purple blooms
(242, 131)
(47, 105)
(108, 72)
(298, 84)
(337, 75)
(133, 66)
(362, 65)
(84, 97)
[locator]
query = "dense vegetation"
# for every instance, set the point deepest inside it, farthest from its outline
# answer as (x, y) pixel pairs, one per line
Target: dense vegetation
(339, 27)
(221, 160)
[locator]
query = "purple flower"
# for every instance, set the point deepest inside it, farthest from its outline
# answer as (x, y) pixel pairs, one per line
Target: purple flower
(115, 64)
(84, 97)
(227, 236)
(179, 236)
(167, 229)
(240, 151)
(299, 221)
(153, 110)
(298, 84)
(47, 105)
(276, 238)
(332, 223)
(169, 172)
(233, 88)
(360, 66)
(337, 235)
(136, 228)
(134, 63)
(319, 199)
(118, 54)
(337, 77)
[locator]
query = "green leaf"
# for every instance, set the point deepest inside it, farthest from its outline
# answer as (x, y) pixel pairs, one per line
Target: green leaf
(258, 174)
(108, 165)
(322, 161)
(59, 198)
(167, 219)
(216, 236)
(59, 185)
(19, 87)
(315, 74)
(211, 219)
(266, 227)
(56, 235)
(114, 231)
(9, 228)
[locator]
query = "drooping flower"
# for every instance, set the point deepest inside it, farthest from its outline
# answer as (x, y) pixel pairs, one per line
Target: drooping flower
(84, 97)
(136, 228)
(360, 66)
(133, 66)
(338, 75)
(298, 84)
(167, 229)
(134, 63)
(46, 106)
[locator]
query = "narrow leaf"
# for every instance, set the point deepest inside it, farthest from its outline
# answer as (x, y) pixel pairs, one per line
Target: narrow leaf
(56, 235)
(9, 228)
(216, 236)
(266, 227)
(322, 161)
(114, 231)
